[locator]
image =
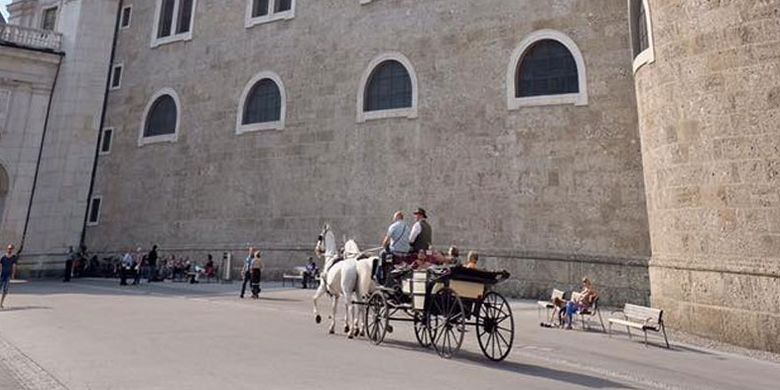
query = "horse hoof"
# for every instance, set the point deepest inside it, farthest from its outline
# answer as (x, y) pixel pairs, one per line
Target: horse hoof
(362, 333)
(346, 329)
(331, 331)
(389, 329)
(318, 319)
(350, 337)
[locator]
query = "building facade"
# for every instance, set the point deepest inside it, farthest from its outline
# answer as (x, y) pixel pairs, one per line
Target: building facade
(630, 141)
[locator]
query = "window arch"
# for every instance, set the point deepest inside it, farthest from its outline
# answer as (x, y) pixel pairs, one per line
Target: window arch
(641, 29)
(546, 69)
(161, 119)
(262, 105)
(388, 88)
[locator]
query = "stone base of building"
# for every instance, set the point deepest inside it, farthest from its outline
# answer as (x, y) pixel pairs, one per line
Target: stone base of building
(737, 308)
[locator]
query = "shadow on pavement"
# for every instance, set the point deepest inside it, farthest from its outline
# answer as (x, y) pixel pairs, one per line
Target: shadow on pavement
(518, 368)
(20, 308)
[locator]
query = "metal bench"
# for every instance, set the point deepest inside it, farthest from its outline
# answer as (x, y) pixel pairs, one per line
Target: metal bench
(642, 318)
(549, 305)
(296, 274)
(592, 312)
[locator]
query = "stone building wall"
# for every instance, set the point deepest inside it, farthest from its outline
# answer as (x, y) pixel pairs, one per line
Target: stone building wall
(709, 108)
(552, 193)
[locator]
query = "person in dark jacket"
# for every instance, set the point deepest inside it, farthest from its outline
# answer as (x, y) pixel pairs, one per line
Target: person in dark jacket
(151, 261)
(422, 234)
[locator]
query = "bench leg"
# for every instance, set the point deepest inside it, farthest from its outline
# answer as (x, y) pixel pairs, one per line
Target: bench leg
(663, 329)
(610, 330)
(628, 329)
(645, 339)
(603, 329)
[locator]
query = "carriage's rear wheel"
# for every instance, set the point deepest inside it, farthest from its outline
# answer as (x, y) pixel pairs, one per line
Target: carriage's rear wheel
(495, 327)
(421, 331)
(446, 322)
(377, 317)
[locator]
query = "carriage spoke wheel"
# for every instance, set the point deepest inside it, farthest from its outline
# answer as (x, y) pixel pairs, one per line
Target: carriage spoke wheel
(421, 331)
(495, 327)
(446, 322)
(377, 317)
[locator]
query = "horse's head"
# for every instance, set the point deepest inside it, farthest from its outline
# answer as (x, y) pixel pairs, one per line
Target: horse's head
(326, 243)
(351, 249)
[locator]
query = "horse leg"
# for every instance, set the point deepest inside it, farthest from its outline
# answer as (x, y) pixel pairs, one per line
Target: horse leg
(334, 304)
(347, 312)
(320, 291)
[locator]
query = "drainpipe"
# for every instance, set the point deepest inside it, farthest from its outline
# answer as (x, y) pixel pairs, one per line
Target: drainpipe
(102, 122)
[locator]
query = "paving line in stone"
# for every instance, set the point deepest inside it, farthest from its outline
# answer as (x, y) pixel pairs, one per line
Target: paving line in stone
(24, 371)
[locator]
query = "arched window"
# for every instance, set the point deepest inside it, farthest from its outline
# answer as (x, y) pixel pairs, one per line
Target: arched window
(262, 104)
(546, 69)
(640, 25)
(4, 186)
(388, 89)
(161, 118)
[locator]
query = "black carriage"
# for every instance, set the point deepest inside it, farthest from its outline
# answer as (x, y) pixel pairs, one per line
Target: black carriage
(442, 302)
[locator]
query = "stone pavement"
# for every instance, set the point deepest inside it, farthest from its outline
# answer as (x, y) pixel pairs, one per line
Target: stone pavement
(92, 334)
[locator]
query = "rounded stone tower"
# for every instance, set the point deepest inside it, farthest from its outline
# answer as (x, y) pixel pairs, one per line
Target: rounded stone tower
(708, 92)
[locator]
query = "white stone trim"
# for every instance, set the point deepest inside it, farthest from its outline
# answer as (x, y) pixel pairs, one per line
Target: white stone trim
(102, 152)
(241, 128)
(408, 112)
(272, 16)
(99, 210)
(578, 99)
(165, 137)
(113, 73)
(174, 25)
(647, 56)
(363, 2)
(129, 18)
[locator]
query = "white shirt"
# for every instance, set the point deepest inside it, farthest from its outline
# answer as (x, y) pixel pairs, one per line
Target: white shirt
(127, 261)
(416, 230)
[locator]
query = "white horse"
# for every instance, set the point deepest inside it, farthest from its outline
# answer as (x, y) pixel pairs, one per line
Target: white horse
(347, 277)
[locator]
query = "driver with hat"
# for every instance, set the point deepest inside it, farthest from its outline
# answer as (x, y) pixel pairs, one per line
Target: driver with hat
(422, 234)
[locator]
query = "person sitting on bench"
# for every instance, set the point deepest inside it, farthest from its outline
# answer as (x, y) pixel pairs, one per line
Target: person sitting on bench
(586, 298)
(472, 259)
(310, 273)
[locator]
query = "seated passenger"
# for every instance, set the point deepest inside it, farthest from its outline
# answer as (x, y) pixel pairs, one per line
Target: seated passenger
(453, 254)
(471, 260)
(587, 296)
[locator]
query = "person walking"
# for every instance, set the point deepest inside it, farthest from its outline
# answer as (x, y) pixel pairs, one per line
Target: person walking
(151, 260)
(246, 270)
(69, 264)
(257, 267)
(7, 271)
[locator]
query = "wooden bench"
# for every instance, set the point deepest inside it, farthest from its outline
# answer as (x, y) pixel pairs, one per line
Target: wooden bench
(549, 305)
(642, 318)
(296, 274)
(592, 312)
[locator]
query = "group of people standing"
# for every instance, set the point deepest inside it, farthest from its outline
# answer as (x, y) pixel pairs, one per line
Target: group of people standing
(253, 266)
(132, 265)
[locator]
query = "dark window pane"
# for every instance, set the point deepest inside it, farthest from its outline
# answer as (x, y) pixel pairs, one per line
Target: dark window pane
(49, 19)
(185, 16)
(388, 87)
(94, 211)
(259, 8)
(264, 103)
(166, 18)
(161, 118)
(641, 40)
(547, 68)
(126, 16)
(283, 5)
(105, 142)
(117, 77)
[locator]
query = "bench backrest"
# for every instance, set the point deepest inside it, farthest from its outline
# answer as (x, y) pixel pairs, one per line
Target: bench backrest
(556, 294)
(643, 313)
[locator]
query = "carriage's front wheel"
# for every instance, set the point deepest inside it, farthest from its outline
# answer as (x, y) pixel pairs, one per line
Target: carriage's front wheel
(495, 327)
(446, 322)
(377, 317)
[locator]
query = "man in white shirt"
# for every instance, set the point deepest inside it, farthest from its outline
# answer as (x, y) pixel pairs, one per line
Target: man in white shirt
(396, 243)
(125, 267)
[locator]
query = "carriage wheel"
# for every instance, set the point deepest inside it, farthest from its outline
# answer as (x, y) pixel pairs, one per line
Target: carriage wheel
(446, 322)
(421, 331)
(377, 317)
(495, 327)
